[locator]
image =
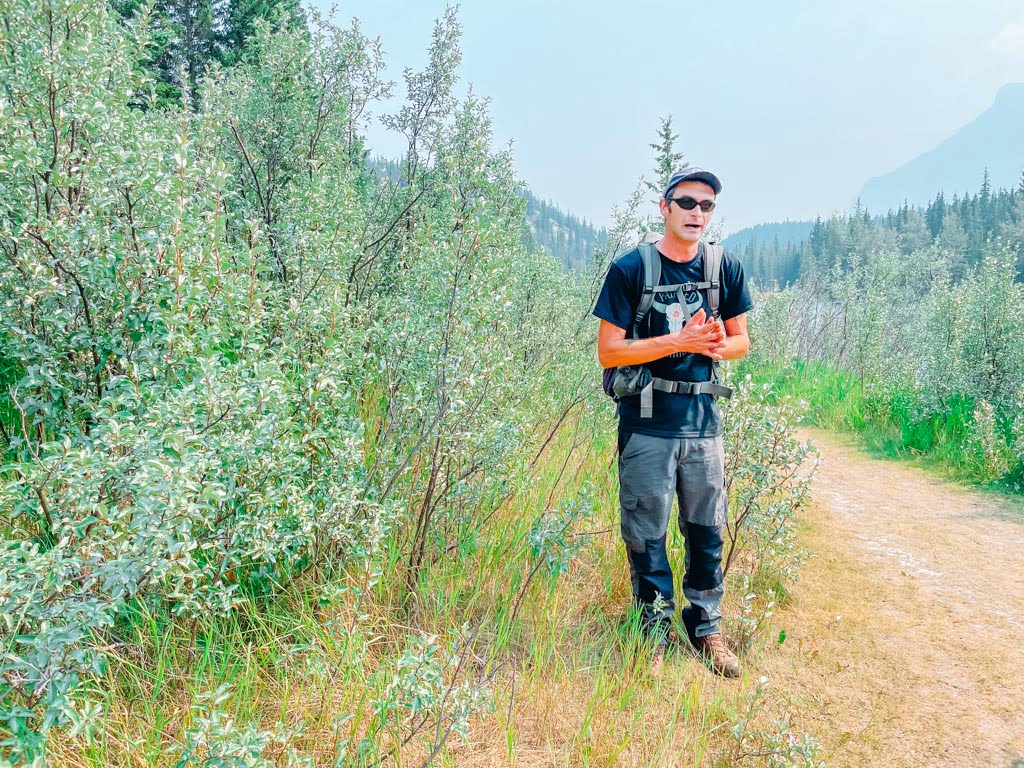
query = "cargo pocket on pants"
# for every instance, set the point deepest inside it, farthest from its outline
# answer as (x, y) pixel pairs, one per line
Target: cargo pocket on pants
(643, 519)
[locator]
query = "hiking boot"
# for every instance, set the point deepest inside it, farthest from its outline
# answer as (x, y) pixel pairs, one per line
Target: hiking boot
(657, 660)
(717, 657)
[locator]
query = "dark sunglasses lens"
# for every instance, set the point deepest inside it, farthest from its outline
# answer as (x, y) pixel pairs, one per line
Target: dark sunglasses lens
(688, 204)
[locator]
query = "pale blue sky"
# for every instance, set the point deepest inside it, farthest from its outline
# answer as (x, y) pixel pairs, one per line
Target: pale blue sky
(794, 104)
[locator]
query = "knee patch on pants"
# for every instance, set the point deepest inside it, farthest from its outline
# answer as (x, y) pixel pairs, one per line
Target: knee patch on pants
(705, 550)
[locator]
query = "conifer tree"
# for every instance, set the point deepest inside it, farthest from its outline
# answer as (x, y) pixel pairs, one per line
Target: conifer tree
(934, 214)
(185, 43)
(666, 159)
(240, 19)
(190, 35)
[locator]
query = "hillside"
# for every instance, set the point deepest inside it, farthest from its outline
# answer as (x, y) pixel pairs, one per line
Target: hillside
(568, 238)
(993, 140)
(780, 232)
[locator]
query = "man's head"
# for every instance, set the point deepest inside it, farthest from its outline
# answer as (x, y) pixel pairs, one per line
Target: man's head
(688, 203)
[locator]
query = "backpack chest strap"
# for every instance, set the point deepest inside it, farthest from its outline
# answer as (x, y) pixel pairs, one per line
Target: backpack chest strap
(686, 287)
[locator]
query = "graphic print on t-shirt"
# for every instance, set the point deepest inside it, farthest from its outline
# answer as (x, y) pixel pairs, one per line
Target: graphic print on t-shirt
(674, 315)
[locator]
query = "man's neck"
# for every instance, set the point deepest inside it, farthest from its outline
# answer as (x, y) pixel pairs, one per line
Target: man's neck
(676, 249)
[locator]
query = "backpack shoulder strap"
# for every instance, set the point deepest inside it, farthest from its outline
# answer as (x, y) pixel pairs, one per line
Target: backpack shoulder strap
(713, 255)
(651, 263)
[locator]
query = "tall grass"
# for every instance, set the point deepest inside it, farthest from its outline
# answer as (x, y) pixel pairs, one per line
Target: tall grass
(9, 374)
(552, 646)
(894, 427)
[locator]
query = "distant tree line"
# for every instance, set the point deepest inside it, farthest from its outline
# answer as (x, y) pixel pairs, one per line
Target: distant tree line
(568, 238)
(571, 240)
(959, 226)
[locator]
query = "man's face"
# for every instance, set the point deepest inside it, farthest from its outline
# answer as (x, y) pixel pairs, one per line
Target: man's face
(687, 225)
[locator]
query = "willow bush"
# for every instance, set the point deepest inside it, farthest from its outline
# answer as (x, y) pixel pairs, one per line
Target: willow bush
(238, 355)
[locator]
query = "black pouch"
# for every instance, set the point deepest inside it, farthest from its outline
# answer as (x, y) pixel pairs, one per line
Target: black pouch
(625, 381)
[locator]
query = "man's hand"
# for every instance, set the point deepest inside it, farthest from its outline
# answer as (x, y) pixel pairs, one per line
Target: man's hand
(700, 336)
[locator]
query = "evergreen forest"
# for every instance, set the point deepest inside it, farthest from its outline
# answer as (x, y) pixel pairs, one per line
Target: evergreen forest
(963, 228)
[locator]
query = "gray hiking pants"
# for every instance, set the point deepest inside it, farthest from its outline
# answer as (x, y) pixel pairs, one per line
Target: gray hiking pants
(653, 470)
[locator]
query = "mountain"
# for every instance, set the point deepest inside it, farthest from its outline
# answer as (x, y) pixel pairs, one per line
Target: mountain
(781, 232)
(570, 239)
(993, 140)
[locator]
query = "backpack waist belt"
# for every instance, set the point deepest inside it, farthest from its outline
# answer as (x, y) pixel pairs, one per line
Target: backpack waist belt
(677, 388)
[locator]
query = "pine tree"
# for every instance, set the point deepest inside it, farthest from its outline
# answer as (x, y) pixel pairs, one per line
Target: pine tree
(240, 19)
(190, 35)
(913, 232)
(935, 213)
(666, 159)
(954, 241)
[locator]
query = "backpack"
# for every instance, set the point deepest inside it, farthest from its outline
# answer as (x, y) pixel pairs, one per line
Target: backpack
(632, 380)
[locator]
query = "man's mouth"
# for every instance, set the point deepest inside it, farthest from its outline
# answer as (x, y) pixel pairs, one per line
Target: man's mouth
(694, 227)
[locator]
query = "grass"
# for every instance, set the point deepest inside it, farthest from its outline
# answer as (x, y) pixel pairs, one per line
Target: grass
(567, 667)
(891, 428)
(9, 374)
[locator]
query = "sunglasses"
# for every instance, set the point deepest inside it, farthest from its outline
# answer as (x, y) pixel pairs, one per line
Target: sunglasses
(688, 203)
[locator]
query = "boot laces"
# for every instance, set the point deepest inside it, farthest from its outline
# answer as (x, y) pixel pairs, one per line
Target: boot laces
(717, 647)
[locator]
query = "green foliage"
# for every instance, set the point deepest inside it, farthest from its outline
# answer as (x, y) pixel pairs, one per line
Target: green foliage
(240, 19)
(235, 356)
(551, 536)
(899, 349)
(429, 97)
(215, 739)
(776, 746)
(768, 473)
(187, 37)
(184, 43)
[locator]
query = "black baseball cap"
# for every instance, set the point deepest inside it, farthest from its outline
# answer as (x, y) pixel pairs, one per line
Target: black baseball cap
(693, 173)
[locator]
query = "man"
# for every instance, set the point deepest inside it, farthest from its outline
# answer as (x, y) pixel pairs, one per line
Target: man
(676, 449)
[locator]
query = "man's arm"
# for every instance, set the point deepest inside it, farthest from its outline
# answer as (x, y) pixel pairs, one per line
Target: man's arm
(697, 336)
(737, 342)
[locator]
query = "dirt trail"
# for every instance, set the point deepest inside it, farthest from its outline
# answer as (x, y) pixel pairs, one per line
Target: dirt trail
(905, 637)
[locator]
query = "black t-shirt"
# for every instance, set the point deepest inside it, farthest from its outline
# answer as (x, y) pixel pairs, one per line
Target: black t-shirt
(674, 415)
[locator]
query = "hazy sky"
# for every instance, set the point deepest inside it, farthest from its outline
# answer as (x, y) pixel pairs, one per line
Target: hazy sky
(793, 104)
